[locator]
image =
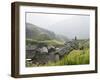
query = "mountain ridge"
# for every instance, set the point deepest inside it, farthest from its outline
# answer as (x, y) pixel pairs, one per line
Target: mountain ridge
(38, 33)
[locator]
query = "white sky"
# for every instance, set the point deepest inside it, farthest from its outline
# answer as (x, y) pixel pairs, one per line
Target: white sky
(45, 21)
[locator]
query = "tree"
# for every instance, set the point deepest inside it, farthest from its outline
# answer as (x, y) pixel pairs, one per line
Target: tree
(75, 38)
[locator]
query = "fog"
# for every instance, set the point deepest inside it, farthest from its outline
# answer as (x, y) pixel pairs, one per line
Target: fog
(67, 25)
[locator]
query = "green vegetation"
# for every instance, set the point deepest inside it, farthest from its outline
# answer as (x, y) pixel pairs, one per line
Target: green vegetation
(42, 37)
(76, 57)
(48, 42)
(36, 37)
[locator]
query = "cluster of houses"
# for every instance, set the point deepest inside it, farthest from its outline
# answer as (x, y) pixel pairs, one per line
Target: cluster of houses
(42, 53)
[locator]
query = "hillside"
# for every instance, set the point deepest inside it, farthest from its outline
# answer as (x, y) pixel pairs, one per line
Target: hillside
(36, 33)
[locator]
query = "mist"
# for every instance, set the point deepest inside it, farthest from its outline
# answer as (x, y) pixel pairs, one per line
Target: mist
(66, 25)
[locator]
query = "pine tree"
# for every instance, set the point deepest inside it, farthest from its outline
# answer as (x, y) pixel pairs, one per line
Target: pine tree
(75, 38)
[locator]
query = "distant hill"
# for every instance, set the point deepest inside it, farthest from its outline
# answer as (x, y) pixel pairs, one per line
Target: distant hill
(36, 33)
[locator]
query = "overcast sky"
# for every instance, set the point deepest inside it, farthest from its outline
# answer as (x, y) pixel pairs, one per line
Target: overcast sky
(67, 25)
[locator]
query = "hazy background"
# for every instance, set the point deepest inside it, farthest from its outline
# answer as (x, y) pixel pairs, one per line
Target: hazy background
(67, 25)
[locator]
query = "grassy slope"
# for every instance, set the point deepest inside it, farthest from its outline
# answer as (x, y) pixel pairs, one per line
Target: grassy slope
(74, 58)
(49, 42)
